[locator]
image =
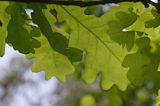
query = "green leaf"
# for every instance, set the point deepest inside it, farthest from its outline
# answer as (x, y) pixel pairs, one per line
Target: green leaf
(101, 55)
(152, 51)
(155, 22)
(90, 33)
(50, 61)
(137, 62)
(4, 19)
(56, 40)
(18, 34)
(143, 24)
(117, 27)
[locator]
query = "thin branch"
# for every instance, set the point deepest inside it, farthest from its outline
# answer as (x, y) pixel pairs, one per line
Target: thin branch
(77, 3)
(88, 3)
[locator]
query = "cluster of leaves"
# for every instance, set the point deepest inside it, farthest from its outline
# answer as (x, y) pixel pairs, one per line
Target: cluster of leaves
(121, 46)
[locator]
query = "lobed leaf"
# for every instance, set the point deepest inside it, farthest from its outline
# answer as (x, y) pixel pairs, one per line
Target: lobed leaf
(90, 33)
(50, 61)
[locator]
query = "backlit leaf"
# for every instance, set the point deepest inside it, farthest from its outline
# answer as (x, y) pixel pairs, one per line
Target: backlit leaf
(90, 33)
(50, 61)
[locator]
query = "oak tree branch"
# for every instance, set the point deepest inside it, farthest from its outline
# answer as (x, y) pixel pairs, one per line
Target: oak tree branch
(88, 3)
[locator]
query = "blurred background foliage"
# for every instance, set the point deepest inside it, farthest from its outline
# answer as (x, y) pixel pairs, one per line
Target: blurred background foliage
(18, 84)
(20, 87)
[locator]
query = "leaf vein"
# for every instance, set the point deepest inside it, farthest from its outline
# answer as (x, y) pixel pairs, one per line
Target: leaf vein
(95, 35)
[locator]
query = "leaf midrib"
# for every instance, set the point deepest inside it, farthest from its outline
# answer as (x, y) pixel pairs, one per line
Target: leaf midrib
(95, 35)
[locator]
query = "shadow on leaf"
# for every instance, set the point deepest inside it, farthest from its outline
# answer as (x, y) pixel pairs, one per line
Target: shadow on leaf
(143, 64)
(117, 31)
